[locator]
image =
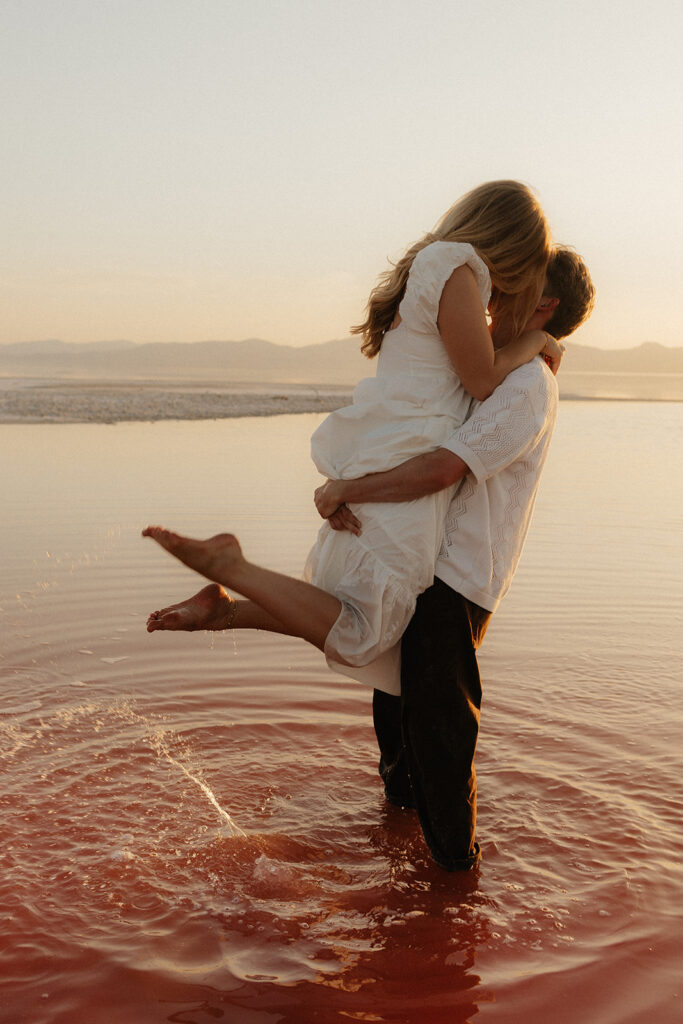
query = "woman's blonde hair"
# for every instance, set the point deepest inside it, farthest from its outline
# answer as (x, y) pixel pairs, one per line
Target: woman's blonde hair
(504, 222)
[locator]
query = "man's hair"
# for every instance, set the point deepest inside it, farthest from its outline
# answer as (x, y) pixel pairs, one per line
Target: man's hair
(570, 282)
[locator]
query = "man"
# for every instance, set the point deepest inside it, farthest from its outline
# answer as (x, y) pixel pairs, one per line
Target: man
(427, 736)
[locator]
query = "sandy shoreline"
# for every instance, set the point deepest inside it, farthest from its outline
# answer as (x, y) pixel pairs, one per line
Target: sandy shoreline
(43, 401)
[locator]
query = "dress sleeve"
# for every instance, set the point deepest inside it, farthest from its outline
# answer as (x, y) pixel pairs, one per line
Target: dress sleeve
(429, 273)
(510, 423)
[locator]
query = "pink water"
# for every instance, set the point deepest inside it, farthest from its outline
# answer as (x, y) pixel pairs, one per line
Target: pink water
(132, 764)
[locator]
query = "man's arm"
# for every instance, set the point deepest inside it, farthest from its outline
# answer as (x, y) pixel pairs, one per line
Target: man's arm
(423, 474)
(499, 431)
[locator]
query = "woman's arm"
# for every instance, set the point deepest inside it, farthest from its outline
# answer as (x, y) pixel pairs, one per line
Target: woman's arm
(465, 334)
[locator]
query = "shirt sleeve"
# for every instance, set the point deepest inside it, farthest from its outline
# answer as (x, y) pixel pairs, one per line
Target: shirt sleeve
(510, 423)
(431, 269)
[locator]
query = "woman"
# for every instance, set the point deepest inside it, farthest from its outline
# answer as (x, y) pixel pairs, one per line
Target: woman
(427, 321)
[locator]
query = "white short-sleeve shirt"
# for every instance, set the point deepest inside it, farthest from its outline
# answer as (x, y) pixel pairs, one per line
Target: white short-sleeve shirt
(504, 443)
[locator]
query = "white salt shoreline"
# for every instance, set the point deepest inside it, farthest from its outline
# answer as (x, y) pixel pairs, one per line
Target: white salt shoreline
(42, 401)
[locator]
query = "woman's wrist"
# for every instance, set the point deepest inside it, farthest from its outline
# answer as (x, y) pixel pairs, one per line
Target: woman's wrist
(535, 339)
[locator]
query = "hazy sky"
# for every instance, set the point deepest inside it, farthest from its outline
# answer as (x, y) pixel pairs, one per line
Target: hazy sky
(204, 169)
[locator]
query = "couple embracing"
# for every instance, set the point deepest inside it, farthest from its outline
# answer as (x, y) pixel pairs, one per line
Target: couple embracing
(432, 476)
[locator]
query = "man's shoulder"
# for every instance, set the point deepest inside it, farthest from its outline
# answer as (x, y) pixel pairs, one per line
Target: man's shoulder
(535, 373)
(535, 380)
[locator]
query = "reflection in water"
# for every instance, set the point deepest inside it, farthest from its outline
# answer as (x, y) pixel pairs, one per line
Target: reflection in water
(337, 915)
(192, 827)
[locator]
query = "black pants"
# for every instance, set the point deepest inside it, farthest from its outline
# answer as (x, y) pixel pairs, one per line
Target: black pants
(427, 737)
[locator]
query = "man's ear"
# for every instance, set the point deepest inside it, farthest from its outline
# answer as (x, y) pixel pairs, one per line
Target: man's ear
(547, 305)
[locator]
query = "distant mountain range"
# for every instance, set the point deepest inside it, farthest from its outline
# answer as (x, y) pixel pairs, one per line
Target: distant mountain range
(258, 361)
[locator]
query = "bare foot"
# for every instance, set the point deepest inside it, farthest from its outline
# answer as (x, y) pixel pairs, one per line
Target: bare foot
(216, 558)
(211, 608)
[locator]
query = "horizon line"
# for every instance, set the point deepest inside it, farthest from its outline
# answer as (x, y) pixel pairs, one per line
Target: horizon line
(276, 344)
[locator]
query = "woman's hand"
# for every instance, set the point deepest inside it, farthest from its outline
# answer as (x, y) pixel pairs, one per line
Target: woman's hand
(553, 352)
(329, 497)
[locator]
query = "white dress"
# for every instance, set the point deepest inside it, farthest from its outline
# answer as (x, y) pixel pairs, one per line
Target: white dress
(411, 406)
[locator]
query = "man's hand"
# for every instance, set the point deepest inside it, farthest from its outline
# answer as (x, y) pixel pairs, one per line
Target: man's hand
(329, 501)
(344, 519)
(328, 498)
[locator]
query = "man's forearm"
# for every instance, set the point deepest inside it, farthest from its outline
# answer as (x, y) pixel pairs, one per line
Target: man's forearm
(421, 475)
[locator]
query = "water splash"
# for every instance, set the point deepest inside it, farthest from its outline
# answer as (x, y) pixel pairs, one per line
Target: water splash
(158, 740)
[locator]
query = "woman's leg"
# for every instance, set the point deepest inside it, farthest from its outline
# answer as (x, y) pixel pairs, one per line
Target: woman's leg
(299, 608)
(212, 608)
